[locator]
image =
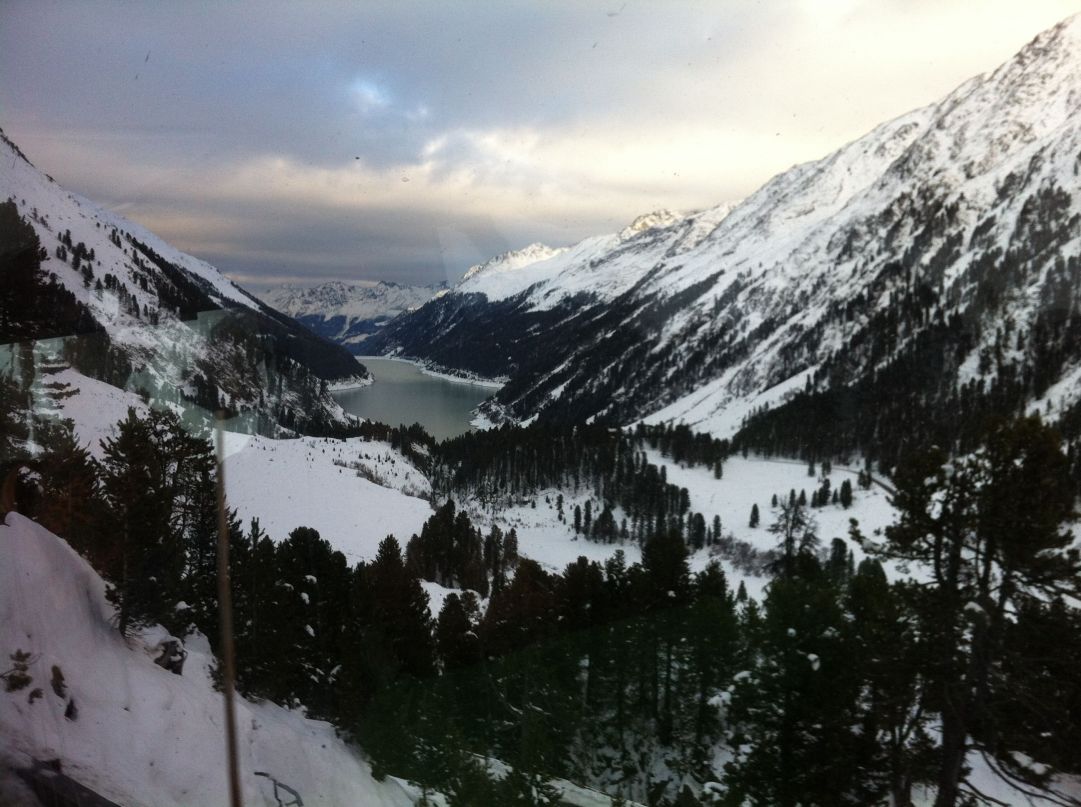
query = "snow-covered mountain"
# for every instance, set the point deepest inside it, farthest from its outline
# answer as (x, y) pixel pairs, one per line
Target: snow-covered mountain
(933, 261)
(603, 265)
(485, 275)
(106, 296)
(348, 313)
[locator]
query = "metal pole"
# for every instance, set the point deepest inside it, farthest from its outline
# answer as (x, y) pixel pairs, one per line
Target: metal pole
(225, 609)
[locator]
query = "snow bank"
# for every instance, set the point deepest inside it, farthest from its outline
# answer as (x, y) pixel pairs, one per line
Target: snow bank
(143, 735)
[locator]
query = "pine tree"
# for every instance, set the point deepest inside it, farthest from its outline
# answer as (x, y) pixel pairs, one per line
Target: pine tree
(401, 611)
(796, 533)
(313, 582)
(697, 531)
(794, 713)
(146, 563)
(846, 494)
(455, 639)
(894, 752)
(990, 529)
(257, 601)
(754, 516)
(712, 634)
(70, 497)
(837, 565)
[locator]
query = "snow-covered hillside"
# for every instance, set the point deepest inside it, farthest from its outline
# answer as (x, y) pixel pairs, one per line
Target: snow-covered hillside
(958, 223)
(129, 729)
(55, 210)
(149, 317)
(354, 492)
(348, 313)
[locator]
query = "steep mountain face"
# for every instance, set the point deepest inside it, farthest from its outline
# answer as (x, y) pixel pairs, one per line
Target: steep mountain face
(916, 279)
(88, 288)
(348, 313)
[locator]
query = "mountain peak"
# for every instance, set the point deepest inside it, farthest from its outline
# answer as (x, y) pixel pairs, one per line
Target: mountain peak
(650, 221)
(512, 260)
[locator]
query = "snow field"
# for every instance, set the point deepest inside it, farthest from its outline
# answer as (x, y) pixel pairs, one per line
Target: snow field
(312, 482)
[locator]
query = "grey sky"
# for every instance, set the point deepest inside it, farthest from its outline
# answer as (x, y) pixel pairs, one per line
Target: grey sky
(406, 141)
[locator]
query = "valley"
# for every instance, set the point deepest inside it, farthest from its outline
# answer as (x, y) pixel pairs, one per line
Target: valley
(772, 502)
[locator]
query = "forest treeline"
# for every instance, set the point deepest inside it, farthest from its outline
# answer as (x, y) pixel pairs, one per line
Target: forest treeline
(661, 685)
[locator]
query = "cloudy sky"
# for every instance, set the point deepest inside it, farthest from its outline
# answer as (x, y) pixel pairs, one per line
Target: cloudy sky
(407, 140)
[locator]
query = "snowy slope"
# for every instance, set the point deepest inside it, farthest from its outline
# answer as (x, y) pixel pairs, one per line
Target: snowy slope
(188, 333)
(143, 735)
(355, 493)
(348, 313)
(692, 318)
(92, 406)
(58, 210)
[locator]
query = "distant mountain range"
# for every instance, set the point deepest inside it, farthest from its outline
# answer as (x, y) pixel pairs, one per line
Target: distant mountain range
(348, 313)
(87, 288)
(899, 290)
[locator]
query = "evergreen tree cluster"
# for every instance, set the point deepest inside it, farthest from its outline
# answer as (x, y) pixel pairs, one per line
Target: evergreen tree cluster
(308, 628)
(145, 515)
(33, 303)
(838, 688)
(508, 466)
(686, 446)
(452, 552)
(628, 677)
(413, 442)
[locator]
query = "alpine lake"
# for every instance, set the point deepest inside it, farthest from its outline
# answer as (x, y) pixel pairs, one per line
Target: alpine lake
(403, 395)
